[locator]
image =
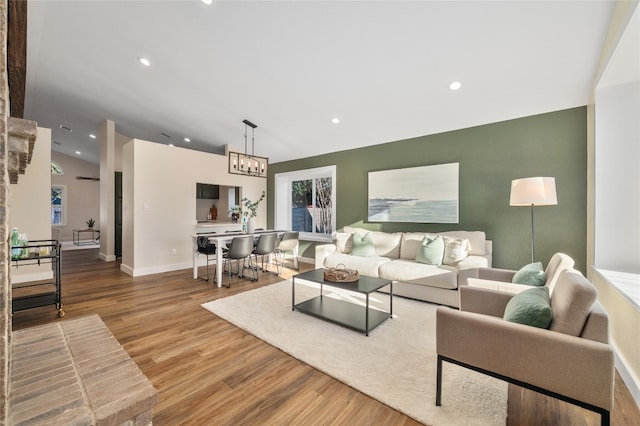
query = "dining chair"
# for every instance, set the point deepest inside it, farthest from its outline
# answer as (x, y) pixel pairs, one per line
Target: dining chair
(288, 243)
(240, 248)
(264, 247)
(207, 248)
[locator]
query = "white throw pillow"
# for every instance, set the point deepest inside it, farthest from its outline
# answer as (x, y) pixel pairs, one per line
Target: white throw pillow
(455, 250)
(343, 242)
(477, 239)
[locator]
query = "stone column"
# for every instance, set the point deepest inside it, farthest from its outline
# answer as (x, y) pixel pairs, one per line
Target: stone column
(5, 288)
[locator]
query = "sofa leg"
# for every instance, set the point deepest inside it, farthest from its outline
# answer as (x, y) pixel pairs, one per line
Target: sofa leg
(439, 381)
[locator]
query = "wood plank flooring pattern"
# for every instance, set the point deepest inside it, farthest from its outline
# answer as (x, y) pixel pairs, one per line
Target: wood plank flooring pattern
(210, 372)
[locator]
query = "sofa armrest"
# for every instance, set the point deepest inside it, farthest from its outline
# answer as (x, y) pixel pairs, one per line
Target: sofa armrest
(322, 251)
(507, 287)
(483, 301)
(496, 274)
(572, 366)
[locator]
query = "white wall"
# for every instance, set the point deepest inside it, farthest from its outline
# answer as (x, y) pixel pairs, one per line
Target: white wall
(159, 203)
(83, 196)
(119, 142)
(614, 180)
(30, 203)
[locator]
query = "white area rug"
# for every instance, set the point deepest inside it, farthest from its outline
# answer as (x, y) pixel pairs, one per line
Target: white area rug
(396, 364)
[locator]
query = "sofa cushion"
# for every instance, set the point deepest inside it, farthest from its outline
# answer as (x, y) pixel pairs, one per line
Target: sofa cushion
(368, 266)
(386, 244)
(455, 250)
(362, 245)
(431, 250)
(477, 240)
(531, 274)
(531, 307)
(343, 242)
(410, 244)
(413, 272)
(571, 302)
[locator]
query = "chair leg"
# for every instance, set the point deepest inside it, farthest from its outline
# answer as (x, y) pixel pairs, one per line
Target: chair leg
(228, 263)
(439, 382)
(275, 256)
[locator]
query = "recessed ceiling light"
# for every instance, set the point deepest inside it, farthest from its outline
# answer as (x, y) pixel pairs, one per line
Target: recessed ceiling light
(63, 127)
(455, 85)
(171, 144)
(78, 152)
(207, 2)
(144, 61)
(335, 120)
(92, 136)
(187, 140)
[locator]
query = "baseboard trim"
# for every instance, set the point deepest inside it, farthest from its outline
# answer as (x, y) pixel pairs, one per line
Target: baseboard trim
(159, 269)
(107, 257)
(628, 377)
(126, 269)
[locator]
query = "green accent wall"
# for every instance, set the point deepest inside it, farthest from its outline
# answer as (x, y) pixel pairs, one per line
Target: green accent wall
(490, 156)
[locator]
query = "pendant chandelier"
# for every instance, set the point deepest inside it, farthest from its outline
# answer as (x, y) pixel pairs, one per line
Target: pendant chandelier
(248, 164)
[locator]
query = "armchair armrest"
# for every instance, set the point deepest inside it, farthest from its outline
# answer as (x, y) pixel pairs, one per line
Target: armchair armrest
(496, 274)
(507, 287)
(322, 251)
(483, 301)
(571, 366)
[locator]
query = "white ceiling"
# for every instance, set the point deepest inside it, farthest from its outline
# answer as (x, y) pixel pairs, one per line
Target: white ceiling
(382, 67)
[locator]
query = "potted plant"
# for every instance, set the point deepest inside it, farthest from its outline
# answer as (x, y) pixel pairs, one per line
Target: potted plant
(90, 223)
(249, 209)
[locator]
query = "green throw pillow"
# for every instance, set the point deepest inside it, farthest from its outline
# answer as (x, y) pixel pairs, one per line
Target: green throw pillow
(531, 274)
(362, 246)
(531, 307)
(431, 250)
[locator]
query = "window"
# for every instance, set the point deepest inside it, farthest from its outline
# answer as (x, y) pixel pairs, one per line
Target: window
(58, 205)
(305, 202)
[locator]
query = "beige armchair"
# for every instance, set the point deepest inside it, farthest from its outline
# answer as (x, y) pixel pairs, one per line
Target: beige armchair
(500, 279)
(571, 361)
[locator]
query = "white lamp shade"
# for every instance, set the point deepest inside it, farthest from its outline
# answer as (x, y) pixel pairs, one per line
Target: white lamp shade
(533, 191)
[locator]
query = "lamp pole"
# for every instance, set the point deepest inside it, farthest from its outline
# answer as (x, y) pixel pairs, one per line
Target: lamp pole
(532, 242)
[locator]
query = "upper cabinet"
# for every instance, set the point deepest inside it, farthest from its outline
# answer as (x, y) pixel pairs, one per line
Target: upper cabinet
(207, 191)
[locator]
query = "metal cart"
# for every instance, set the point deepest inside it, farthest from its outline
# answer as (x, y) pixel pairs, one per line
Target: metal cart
(33, 294)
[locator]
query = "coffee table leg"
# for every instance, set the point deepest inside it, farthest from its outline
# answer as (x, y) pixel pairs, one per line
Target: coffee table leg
(293, 293)
(391, 301)
(366, 316)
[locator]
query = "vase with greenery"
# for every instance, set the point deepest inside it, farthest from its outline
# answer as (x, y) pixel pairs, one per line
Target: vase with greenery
(249, 209)
(90, 223)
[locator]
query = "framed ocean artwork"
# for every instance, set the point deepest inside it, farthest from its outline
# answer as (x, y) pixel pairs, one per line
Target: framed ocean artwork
(425, 194)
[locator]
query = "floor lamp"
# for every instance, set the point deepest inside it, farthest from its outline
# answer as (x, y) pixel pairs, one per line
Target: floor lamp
(533, 191)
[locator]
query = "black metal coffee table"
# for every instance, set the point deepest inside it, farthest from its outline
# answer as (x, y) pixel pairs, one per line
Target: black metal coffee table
(357, 317)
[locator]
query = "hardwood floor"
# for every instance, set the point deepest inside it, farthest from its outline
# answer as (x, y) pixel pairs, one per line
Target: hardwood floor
(208, 371)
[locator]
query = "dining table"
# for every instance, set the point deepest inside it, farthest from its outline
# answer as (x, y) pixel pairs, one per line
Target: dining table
(221, 240)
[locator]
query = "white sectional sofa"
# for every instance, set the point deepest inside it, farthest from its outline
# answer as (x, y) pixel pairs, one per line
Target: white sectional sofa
(395, 259)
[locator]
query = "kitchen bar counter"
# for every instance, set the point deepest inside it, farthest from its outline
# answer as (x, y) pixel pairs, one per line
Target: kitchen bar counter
(217, 226)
